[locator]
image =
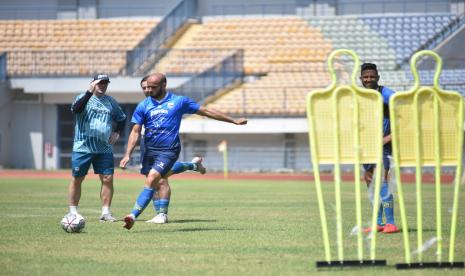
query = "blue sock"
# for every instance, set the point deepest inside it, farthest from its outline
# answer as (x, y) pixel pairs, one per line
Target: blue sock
(387, 200)
(156, 205)
(164, 203)
(155, 199)
(380, 215)
(142, 201)
(180, 167)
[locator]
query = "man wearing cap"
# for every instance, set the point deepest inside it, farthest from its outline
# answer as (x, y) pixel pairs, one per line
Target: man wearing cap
(94, 136)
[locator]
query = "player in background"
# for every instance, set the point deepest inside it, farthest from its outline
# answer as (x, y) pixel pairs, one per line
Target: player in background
(161, 115)
(94, 113)
(369, 78)
(162, 196)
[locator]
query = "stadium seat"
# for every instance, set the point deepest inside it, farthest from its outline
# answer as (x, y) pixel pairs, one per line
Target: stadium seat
(269, 44)
(67, 42)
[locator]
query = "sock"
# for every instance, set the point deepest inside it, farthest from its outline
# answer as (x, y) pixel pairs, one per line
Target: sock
(387, 200)
(180, 167)
(156, 206)
(142, 201)
(164, 203)
(380, 215)
(105, 210)
(73, 210)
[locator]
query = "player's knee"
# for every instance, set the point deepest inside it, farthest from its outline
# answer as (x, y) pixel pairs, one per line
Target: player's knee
(153, 178)
(164, 185)
(77, 180)
(107, 179)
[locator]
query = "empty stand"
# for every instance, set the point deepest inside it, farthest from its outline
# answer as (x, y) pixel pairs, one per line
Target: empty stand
(278, 93)
(269, 44)
(351, 33)
(406, 33)
(69, 47)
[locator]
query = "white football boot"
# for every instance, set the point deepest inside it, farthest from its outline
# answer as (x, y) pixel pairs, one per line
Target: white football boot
(159, 219)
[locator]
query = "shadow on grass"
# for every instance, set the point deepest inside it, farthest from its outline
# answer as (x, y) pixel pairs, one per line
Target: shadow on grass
(191, 220)
(413, 230)
(204, 229)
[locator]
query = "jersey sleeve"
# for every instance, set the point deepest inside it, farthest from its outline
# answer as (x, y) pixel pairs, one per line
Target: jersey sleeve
(387, 93)
(190, 106)
(79, 98)
(138, 115)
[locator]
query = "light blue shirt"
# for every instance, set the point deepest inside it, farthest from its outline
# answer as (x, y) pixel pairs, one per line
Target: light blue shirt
(93, 126)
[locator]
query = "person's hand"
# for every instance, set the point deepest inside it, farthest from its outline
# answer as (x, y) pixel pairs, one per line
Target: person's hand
(368, 176)
(124, 162)
(113, 138)
(240, 121)
(93, 85)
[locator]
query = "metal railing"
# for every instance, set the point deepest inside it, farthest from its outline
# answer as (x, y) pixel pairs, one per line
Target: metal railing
(221, 75)
(143, 56)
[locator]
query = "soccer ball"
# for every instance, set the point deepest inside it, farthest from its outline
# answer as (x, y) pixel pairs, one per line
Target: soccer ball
(72, 223)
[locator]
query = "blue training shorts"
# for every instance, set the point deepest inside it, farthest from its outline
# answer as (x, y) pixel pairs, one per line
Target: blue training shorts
(386, 164)
(159, 160)
(102, 163)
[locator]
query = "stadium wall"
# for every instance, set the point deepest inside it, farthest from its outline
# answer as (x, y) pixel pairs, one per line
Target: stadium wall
(452, 47)
(34, 133)
(5, 125)
(90, 9)
(253, 152)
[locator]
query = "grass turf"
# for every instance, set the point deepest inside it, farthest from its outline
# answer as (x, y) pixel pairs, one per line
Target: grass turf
(216, 227)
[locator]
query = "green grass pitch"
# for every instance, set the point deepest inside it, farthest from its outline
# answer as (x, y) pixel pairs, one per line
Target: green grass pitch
(216, 228)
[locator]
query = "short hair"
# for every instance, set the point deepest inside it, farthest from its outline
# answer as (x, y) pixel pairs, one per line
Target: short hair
(144, 79)
(368, 66)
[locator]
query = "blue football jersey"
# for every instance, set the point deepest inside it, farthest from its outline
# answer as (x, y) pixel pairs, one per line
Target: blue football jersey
(386, 93)
(162, 120)
(93, 126)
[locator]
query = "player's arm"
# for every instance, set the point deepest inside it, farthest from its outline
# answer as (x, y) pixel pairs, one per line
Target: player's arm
(79, 105)
(120, 118)
(132, 141)
(368, 175)
(117, 132)
(387, 139)
(220, 116)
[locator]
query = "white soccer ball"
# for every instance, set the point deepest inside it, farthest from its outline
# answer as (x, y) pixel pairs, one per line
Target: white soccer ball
(73, 223)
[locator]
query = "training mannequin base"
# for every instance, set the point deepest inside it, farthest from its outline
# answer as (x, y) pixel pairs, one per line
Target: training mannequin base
(351, 263)
(430, 265)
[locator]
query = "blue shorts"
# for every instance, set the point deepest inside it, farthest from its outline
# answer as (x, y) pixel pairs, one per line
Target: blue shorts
(102, 163)
(159, 160)
(386, 164)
